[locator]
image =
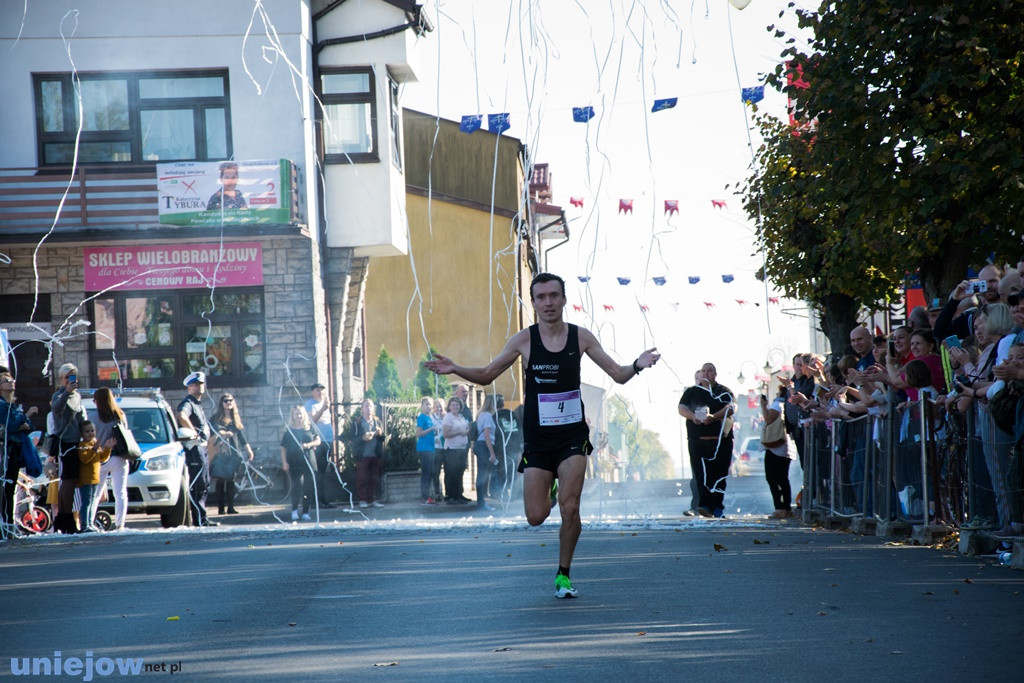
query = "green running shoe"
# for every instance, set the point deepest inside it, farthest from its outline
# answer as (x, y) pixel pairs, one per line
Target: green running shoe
(563, 587)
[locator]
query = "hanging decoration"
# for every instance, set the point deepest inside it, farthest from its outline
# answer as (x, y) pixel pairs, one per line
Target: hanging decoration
(694, 279)
(623, 280)
(498, 123)
(625, 206)
(709, 304)
(718, 204)
(671, 206)
(753, 95)
(577, 308)
(471, 123)
(583, 278)
(667, 103)
(773, 300)
(608, 308)
(576, 201)
(741, 302)
(582, 114)
(658, 280)
(645, 308)
(727, 278)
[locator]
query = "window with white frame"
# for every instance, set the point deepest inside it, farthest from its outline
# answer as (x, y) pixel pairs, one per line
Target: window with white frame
(350, 115)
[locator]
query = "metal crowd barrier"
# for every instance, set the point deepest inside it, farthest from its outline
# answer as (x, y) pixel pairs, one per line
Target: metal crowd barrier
(919, 465)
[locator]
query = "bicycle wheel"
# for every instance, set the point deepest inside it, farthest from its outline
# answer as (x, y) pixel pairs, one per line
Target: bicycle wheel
(271, 485)
(36, 520)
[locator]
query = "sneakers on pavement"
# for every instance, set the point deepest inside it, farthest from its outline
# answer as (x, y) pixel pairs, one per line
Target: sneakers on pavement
(363, 504)
(295, 515)
(563, 587)
(306, 517)
(377, 504)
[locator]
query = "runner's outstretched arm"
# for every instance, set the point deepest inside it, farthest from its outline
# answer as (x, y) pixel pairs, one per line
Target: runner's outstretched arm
(620, 373)
(442, 365)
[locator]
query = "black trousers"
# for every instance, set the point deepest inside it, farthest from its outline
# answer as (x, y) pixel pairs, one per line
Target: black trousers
(776, 473)
(225, 494)
(10, 485)
(454, 460)
(710, 460)
(323, 464)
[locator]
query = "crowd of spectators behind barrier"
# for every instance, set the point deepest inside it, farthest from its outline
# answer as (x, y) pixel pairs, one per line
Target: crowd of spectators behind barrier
(950, 383)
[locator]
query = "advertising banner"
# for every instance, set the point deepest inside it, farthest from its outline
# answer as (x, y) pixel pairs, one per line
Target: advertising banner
(173, 266)
(214, 193)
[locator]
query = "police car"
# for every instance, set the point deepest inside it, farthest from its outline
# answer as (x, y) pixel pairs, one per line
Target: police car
(158, 482)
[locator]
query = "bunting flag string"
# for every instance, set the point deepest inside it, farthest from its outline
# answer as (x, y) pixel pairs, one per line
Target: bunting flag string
(667, 103)
(576, 201)
(471, 123)
(694, 279)
(623, 280)
(658, 280)
(498, 123)
(626, 206)
(718, 204)
(727, 278)
(671, 206)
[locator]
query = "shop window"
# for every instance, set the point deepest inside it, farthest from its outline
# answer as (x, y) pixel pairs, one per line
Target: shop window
(155, 339)
(132, 117)
(350, 116)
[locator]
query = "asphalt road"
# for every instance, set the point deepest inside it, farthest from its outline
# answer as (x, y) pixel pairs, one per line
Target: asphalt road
(464, 599)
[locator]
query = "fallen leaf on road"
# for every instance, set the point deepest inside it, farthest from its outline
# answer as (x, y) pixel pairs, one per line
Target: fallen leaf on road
(341, 542)
(167, 542)
(641, 633)
(956, 592)
(291, 623)
(543, 544)
(828, 569)
(504, 649)
(172, 618)
(719, 547)
(822, 614)
(927, 593)
(896, 652)
(758, 541)
(968, 581)
(386, 664)
(509, 555)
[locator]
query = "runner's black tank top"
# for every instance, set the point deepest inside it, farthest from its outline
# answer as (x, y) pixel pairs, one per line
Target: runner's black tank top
(553, 416)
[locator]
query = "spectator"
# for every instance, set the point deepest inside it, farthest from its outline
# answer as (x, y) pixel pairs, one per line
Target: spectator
(91, 454)
(426, 429)
(298, 458)
(483, 448)
(456, 438)
(108, 414)
(918, 318)
(369, 434)
(192, 416)
(13, 422)
(462, 464)
(69, 414)
(708, 409)
(228, 442)
(953, 320)
(318, 407)
(776, 454)
(860, 341)
(437, 417)
(508, 444)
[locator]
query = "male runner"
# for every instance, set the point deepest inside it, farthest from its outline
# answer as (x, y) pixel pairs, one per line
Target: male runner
(555, 433)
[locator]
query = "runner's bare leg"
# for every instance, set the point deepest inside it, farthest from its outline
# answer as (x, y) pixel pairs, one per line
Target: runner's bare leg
(537, 494)
(571, 473)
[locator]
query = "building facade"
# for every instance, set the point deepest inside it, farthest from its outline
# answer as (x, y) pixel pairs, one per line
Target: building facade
(191, 186)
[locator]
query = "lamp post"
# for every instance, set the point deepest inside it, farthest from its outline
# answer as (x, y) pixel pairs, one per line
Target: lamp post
(740, 378)
(768, 365)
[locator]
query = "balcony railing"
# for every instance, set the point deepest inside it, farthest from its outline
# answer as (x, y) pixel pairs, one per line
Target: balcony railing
(95, 198)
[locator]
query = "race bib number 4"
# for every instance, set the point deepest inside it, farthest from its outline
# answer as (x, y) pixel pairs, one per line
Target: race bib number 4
(559, 409)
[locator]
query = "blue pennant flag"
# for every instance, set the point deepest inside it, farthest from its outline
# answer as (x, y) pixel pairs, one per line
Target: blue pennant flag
(623, 280)
(471, 123)
(583, 278)
(582, 114)
(498, 123)
(727, 278)
(666, 103)
(694, 279)
(752, 95)
(658, 281)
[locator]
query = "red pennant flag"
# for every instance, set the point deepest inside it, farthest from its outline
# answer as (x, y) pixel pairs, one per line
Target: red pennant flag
(741, 302)
(773, 300)
(718, 204)
(626, 206)
(576, 201)
(671, 206)
(709, 304)
(645, 308)
(578, 309)
(609, 308)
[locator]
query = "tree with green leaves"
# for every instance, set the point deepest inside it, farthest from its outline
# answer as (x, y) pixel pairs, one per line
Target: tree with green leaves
(427, 383)
(644, 451)
(386, 385)
(913, 163)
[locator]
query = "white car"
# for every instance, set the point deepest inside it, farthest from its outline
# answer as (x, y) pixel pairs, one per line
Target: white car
(749, 456)
(158, 482)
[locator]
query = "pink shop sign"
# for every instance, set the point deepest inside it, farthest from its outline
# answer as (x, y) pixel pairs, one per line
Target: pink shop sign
(166, 266)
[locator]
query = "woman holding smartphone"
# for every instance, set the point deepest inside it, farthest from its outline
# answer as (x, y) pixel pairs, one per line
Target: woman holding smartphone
(68, 416)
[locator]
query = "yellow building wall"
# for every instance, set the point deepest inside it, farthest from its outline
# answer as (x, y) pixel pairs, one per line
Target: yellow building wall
(455, 252)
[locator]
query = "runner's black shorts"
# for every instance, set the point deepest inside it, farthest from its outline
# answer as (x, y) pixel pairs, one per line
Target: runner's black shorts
(550, 460)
